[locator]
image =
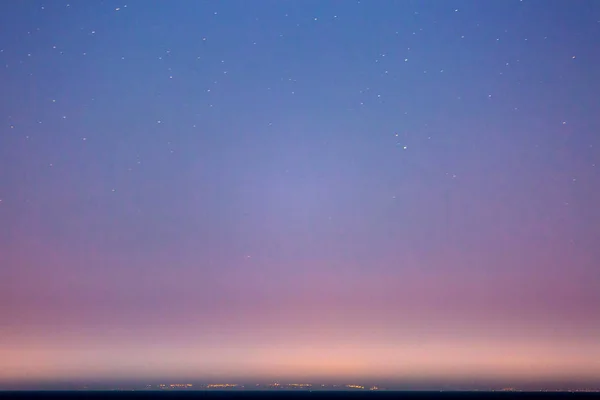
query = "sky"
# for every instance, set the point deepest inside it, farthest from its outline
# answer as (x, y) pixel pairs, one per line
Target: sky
(300, 189)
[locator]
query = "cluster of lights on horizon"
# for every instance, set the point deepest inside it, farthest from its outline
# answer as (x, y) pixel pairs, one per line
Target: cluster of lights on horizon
(274, 385)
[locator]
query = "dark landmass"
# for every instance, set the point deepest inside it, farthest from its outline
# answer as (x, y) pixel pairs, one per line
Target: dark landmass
(284, 393)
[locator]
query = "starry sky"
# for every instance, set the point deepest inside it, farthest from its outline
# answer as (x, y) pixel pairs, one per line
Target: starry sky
(315, 189)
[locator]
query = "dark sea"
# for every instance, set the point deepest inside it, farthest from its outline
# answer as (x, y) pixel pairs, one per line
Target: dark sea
(298, 395)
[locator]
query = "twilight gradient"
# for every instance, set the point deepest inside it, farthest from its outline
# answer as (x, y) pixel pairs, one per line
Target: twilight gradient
(400, 190)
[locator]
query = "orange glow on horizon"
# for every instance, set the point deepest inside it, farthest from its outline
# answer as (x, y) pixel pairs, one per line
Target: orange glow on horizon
(443, 359)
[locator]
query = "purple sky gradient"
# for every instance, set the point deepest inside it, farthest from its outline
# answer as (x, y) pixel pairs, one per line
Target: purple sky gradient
(390, 190)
